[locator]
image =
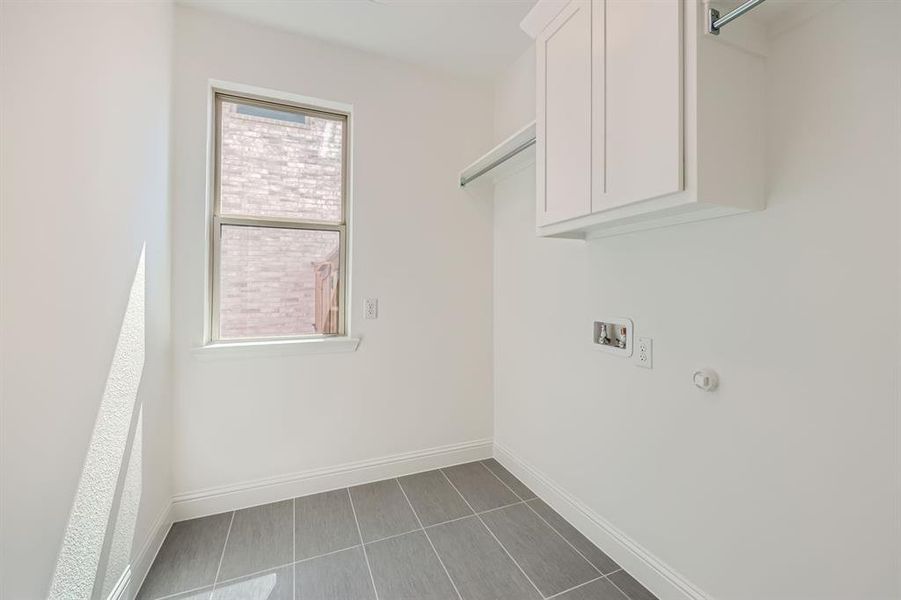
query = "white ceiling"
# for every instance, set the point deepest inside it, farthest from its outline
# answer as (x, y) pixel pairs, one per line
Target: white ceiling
(472, 38)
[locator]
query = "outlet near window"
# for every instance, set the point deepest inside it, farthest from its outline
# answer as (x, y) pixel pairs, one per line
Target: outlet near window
(370, 308)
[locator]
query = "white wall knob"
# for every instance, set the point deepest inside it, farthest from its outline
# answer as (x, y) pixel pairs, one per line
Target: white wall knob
(705, 379)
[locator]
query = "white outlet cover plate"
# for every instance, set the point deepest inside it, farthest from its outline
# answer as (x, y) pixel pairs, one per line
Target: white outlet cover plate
(645, 346)
(371, 308)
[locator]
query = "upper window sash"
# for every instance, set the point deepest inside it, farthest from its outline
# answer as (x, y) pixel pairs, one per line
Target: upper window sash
(313, 117)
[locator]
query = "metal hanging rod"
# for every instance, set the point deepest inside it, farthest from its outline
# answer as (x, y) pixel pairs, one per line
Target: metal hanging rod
(497, 162)
(715, 22)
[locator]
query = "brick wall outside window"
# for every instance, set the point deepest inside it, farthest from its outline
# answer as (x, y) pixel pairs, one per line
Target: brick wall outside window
(275, 168)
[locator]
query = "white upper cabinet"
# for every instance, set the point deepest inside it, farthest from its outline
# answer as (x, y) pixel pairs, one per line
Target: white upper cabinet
(563, 132)
(622, 142)
(639, 81)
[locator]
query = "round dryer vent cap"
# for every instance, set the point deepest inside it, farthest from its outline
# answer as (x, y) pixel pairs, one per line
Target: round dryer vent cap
(705, 379)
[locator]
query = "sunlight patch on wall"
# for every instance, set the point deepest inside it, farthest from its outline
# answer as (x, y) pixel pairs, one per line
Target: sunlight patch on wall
(83, 542)
(123, 530)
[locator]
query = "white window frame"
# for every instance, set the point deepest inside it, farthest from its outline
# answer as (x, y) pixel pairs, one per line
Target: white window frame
(342, 340)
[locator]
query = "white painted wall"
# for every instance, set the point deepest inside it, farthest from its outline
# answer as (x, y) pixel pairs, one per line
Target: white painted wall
(514, 95)
(785, 483)
(421, 377)
(84, 429)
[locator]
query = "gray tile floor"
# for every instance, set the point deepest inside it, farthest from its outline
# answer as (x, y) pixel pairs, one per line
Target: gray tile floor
(468, 532)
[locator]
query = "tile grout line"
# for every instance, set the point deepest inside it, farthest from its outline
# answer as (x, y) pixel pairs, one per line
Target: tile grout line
(545, 521)
(485, 512)
(309, 558)
(504, 483)
(424, 527)
(426, 533)
(575, 587)
(450, 521)
(474, 514)
(224, 546)
(570, 544)
(362, 544)
(391, 537)
(607, 577)
(621, 591)
(266, 570)
(491, 533)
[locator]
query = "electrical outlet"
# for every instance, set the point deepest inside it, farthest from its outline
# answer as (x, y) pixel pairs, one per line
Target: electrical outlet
(644, 348)
(370, 308)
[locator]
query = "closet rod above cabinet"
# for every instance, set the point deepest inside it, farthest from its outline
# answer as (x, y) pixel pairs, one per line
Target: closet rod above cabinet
(502, 154)
(715, 22)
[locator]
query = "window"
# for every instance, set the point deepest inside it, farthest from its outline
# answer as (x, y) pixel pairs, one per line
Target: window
(279, 221)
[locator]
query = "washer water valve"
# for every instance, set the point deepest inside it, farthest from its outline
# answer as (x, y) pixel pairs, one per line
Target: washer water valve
(614, 335)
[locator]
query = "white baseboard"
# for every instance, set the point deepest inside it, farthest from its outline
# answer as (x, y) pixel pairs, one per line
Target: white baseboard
(253, 493)
(652, 572)
(139, 567)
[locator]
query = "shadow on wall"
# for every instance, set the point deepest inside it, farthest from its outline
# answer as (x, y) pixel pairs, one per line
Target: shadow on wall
(94, 559)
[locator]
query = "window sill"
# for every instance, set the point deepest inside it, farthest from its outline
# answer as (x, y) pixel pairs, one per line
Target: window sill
(327, 345)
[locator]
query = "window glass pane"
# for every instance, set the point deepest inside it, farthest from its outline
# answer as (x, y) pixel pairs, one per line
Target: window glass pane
(278, 282)
(277, 163)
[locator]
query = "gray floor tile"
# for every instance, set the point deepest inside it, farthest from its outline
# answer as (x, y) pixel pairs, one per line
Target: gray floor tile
(596, 590)
(324, 523)
(434, 499)
(632, 589)
(406, 568)
(518, 487)
(256, 549)
(545, 557)
(261, 538)
(382, 510)
(480, 488)
(188, 558)
(340, 576)
(275, 584)
(595, 556)
(478, 565)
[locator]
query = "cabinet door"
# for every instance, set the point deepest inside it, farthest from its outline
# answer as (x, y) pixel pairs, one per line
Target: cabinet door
(638, 60)
(564, 115)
